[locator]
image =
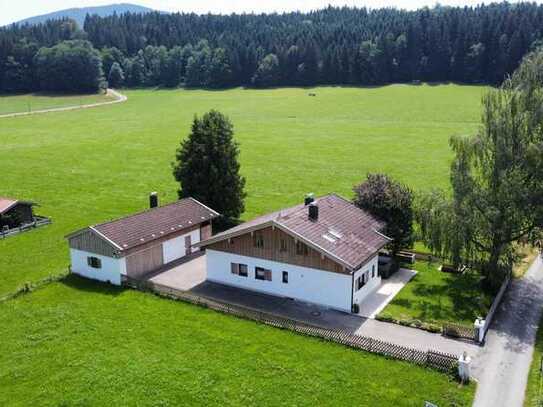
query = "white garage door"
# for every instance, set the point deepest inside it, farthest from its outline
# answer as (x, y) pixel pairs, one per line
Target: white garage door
(175, 248)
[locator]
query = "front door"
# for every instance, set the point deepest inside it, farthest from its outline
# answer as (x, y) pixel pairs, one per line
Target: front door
(188, 244)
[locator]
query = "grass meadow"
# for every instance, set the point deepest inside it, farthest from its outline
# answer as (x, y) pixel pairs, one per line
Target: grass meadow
(83, 343)
(75, 342)
(30, 103)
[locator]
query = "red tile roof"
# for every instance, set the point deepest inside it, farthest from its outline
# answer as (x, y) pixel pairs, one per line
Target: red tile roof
(342, 231)
(144, 227)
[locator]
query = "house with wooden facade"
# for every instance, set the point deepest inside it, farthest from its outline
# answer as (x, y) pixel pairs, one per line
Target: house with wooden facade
(139, 244)
(323, 251)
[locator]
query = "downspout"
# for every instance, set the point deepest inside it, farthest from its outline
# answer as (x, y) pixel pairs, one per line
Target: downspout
(352, 291)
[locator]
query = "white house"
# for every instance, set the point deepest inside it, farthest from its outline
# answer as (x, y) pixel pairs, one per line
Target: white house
(140, 243)
(323, 252)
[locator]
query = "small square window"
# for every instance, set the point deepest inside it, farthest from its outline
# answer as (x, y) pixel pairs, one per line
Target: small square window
(94, 262)
(239, 269)
(283, 247)
(285, 277)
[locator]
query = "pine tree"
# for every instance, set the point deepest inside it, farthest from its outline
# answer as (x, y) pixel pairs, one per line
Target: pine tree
(207, 166)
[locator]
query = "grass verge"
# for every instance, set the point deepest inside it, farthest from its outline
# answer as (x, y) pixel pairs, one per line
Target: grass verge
(534, 388)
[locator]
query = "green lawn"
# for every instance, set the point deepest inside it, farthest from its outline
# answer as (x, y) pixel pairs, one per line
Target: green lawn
(82, 343)
(534, 388)
(432, 298)
(88, 166)
(32, 102)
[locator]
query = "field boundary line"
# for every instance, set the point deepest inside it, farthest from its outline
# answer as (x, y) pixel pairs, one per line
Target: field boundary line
(120, 99)
(31, 286)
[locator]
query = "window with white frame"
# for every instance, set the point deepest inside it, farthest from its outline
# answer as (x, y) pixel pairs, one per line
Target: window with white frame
(239, 269)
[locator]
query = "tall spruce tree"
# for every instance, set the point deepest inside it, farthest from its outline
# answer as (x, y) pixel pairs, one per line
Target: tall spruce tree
(207, 166)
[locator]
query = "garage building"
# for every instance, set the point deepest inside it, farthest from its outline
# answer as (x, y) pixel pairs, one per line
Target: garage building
(139, 244)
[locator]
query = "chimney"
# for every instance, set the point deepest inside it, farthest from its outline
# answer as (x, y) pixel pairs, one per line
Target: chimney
(308, 199)
(153, 200)
(313, 211)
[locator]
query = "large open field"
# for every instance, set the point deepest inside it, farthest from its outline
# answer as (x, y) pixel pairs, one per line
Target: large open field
(80, 343)
(88, 166)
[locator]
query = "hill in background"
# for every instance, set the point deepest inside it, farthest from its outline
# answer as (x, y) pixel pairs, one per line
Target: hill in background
(78, 14)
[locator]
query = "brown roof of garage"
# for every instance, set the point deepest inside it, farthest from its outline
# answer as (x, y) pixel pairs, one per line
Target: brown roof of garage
(343, 231)
(144, 227)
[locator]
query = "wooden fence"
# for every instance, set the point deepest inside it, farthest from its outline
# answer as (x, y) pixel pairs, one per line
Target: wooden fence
(39, 221)
(430, 358)
(459, 331)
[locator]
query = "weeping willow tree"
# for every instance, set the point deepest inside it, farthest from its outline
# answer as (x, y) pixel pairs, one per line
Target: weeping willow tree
(496, 179)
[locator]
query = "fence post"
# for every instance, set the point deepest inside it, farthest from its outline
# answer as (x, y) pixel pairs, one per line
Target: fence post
(464, 363)
(479, 326)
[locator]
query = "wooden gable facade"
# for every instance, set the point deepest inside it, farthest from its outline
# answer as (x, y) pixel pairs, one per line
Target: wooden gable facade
(89, 241)
(272, 243)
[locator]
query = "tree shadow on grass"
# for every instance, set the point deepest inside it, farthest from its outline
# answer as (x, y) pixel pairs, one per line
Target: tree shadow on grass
(465, 292)
(91, 286)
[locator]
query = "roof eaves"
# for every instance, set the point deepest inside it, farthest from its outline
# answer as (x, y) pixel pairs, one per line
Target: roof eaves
(205, 206)
(11, 205)
(226, 235)
(105, 238)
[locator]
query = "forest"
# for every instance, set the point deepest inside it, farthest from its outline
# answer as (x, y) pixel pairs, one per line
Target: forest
(332, 46)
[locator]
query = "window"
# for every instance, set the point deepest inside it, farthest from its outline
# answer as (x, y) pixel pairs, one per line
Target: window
(239, 269)
(94, 262)
(285, 277)
(263, 274)
(283, 247)
(301, 249)
(258, 240)
(373, 271)
(362, 280)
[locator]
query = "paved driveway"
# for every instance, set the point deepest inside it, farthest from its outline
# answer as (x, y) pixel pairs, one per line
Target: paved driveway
(504, 362)
(184, 276)
(191, 275)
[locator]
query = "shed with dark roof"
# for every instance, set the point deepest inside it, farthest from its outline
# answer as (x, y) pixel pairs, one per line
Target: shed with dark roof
(141, 243)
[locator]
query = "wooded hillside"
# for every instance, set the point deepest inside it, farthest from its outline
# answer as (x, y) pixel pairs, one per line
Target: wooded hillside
(330, 46)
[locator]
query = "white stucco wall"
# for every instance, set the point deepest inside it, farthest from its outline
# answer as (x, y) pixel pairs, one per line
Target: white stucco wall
(372, 284)
(174, 249)
(110, 271)
(306, 284)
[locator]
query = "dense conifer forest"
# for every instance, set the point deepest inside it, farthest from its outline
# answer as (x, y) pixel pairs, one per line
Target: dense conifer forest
(343, 46)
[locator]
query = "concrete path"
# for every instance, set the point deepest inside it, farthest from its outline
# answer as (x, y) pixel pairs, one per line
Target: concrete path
(503, 364)
(374, 303)
(120, 99)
